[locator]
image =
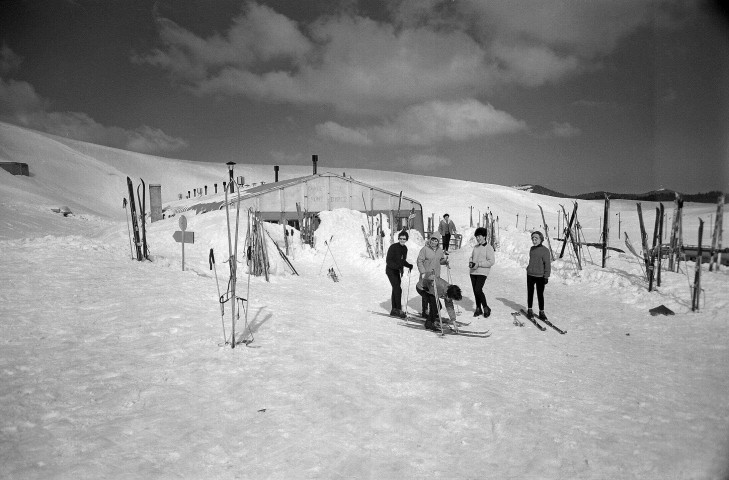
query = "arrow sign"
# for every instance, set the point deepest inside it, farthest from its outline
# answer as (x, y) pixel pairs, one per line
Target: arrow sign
(179, 235)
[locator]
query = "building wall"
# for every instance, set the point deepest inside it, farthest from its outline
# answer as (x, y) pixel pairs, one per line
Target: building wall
(328, 193)
(16, 168)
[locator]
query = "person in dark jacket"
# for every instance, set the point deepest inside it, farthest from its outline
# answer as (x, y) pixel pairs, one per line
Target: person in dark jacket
(397, 260)
(538, 271)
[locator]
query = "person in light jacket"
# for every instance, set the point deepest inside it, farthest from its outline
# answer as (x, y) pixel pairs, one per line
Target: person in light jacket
(538, 271)
(480, 263)
(430, 258)
(446, 228)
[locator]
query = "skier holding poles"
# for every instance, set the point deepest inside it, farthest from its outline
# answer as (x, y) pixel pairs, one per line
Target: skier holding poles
(396, 261)
(430, 258)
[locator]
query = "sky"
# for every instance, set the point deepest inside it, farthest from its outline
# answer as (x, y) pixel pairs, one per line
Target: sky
(617, 95)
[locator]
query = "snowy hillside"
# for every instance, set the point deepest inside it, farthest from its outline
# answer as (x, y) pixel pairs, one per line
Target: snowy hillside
(113, 368)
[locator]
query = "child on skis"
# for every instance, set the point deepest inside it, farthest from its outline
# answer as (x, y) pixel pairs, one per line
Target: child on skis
(538, 270)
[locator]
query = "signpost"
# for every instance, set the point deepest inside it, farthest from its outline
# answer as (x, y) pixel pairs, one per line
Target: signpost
(183, 237)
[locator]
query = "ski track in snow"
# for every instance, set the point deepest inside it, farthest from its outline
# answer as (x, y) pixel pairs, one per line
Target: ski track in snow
(108, 362)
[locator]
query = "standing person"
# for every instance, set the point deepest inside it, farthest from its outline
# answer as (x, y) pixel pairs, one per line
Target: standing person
(430, 258)
(446, 228)
(480, 263)
(396, 260)
(538, 270)
(447, 292)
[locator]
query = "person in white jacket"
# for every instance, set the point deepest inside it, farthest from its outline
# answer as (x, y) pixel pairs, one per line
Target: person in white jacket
(480, 263)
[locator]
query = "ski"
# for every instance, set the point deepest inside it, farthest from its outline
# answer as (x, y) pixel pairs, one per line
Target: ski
(533, 320)
(468, 333)
(517, 322)
(450, 331)
(135, 224)
(367, 242)
(546, 320)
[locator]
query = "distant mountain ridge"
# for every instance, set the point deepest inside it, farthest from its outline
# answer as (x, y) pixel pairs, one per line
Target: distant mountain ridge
(663, 195)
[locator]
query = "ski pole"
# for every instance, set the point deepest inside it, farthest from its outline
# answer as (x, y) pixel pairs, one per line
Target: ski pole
(437, 303)
(325, 254)
(408, 295)
(234, 270)
(448, 266)
(129, 232)
(333, 259)
(211, 260)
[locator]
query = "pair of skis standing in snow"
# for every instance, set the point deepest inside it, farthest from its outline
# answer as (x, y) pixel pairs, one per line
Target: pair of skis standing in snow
(431, 287)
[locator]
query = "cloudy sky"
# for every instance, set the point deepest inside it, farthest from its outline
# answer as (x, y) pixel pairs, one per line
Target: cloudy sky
(575, 95)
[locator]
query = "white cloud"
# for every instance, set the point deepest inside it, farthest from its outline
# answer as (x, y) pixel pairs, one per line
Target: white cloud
(583, 28)
(428, 50)
(429, 123)
(9, 60)
(342, 134)
(20, 104)
(565, 130)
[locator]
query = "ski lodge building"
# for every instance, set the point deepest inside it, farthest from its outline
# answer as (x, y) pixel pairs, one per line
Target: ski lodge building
(285, 201)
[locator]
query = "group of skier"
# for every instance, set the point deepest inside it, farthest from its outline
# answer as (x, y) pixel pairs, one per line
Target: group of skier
(431, 287)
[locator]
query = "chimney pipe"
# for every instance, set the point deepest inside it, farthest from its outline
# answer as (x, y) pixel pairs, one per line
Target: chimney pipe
(275, 173)
(314, 159)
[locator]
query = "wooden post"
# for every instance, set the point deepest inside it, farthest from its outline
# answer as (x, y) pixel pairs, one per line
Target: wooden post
(301, 222)
(644, 241)
(697, 277)
(660, 246)
(673, 249)
(716, 236)
(653, 250)
(720, 227)
(605, 230)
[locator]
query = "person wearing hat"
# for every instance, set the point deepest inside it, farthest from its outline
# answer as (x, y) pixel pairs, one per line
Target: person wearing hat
(430, 258)
(446, 227)
(480, 263)
(396, 260)
(427, 287)
(538, 271)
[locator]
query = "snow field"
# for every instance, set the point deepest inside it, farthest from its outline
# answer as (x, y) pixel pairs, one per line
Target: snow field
(113, 368)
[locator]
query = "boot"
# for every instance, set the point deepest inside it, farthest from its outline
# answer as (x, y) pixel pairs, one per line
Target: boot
(402, 314)
(542, 316)
(530, 313)
(486, 312)
(478, 312)
(430, 325)
(395, 312)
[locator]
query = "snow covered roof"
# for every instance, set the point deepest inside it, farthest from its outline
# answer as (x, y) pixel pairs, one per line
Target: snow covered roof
(269, 187)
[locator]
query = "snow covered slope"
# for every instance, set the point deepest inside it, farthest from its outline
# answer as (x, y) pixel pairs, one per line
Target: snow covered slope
(113, 368)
